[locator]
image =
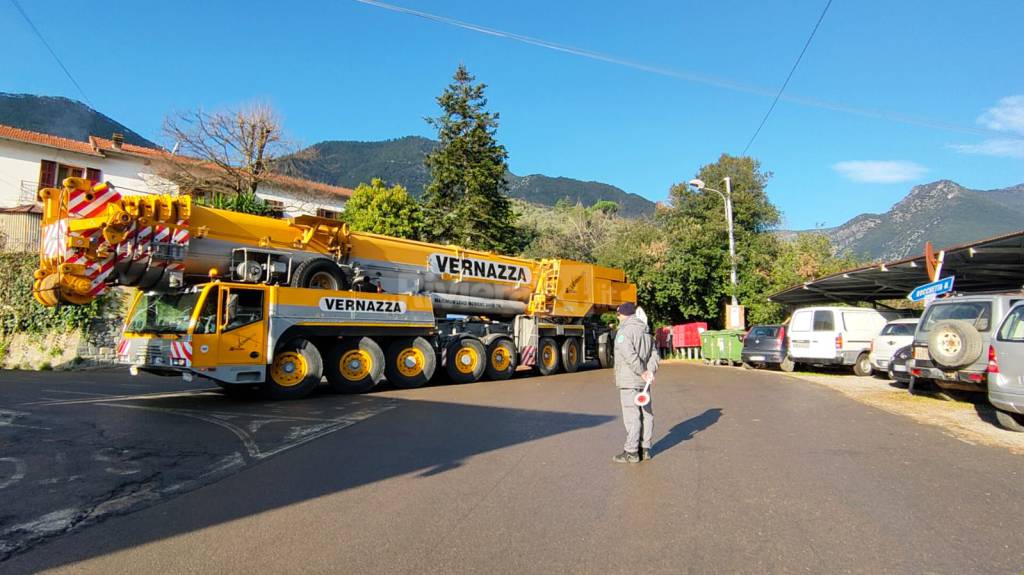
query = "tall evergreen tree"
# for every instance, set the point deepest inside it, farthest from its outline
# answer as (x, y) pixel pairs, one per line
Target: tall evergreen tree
(466, 202)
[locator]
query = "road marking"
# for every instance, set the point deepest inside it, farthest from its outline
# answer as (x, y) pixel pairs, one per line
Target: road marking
(78, 392)
(144, 396)
(8, 416)
(19, 472)
(295, 438)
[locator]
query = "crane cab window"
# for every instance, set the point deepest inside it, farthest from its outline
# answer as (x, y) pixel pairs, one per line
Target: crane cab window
(242, 307)
(207, 321)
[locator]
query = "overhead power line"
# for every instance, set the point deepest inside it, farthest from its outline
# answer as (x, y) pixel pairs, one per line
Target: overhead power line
(788, 77)
(52, 53)
(686, 75)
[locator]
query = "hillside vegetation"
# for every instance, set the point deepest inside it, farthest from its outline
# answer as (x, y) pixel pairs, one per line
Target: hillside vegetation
(62, 117)
(400, 161)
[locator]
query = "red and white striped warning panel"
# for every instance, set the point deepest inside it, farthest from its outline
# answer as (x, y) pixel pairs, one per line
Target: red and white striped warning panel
(529, 355)
(91, 203)
(182, 350)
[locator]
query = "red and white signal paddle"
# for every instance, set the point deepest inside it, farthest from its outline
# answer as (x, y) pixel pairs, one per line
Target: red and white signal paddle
(644, 397)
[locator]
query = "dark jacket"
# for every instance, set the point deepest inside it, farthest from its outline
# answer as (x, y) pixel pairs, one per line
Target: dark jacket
(634, 353)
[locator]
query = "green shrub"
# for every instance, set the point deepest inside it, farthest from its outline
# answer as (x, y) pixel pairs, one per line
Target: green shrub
(21, 313)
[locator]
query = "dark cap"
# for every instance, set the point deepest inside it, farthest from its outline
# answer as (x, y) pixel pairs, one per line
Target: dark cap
(626, 308)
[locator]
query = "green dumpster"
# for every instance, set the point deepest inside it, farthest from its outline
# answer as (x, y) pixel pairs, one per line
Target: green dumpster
(723, 346)
(709, 347)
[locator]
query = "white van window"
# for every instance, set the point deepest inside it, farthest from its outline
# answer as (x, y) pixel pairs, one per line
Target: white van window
(801, 321)
(1013, 327)
(898, 329)
(824, 320)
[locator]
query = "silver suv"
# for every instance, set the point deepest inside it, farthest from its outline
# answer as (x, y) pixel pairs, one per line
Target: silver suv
(1006, 371)
(952, 336)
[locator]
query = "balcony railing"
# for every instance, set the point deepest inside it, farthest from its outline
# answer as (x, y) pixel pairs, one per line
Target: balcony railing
(28, 192)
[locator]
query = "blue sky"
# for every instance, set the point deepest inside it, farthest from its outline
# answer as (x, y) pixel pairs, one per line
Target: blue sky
(346, 70)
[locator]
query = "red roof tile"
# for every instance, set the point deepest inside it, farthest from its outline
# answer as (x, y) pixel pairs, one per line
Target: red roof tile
(19, 135)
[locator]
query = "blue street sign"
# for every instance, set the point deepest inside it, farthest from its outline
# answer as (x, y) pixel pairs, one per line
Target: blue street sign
(944, 285)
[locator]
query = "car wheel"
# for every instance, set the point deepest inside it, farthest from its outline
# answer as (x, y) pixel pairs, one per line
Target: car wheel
(862, 367)
(1011, 421)
(954, 344)
(787, 365)
(917, 386)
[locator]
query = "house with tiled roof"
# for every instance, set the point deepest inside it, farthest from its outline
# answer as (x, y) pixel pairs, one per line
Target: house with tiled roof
(30, 161)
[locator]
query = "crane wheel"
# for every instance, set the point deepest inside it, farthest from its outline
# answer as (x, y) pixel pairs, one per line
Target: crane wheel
(294, 372)
(319, 273)
(411, 362)
(501, 359)
(355, 365)
(606, 349)
(548, 356)
(571, 354)
(466, 360)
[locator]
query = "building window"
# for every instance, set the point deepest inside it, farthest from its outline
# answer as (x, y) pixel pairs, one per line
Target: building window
(276, 208)
(329, 214)
(52, 174)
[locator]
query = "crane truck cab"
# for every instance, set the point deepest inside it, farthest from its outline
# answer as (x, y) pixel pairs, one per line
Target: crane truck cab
(281, 338)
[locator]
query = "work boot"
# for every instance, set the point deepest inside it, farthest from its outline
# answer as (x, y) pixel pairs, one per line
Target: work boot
(645, 455)
(627, 457)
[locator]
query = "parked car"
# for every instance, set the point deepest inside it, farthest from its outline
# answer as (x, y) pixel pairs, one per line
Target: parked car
(1006, 370)
(836, 335)
(952, 337)
(895, 335)
(765, 345)
(898, 370)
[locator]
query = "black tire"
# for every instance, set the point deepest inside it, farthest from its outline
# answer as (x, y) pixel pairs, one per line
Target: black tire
(466, 360)
(954, 344)
(502, 359)
(862, 366)
(549, 356)
(606, 350)
(571, 354)
(411, 362)
(355, 365)
(1010, 421)
(917, 386)
(294, 371)
(787, 365)
(319, 273)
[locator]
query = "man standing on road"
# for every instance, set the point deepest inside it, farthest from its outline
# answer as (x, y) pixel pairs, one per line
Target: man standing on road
(635, 365)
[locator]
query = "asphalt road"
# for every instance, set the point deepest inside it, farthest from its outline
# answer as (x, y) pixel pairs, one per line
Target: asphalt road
(753, 472)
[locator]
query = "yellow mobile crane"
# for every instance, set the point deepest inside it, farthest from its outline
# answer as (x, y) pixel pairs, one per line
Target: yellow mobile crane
(250, 300)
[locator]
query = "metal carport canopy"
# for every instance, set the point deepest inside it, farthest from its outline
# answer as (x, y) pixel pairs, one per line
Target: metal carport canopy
(994, 264)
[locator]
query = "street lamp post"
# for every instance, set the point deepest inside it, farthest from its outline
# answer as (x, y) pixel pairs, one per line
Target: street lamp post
(727, 198)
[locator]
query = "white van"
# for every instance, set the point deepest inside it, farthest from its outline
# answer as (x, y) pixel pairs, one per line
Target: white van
(836, 335)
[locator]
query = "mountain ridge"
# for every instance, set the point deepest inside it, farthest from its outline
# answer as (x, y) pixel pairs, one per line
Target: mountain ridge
(400, 160)
(943, 212)
(64, 117)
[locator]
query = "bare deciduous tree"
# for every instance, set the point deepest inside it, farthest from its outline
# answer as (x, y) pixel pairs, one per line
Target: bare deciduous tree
(229, 152)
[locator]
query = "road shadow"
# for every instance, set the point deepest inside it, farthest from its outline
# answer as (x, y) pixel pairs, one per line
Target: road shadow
(421, 438)
(687, 429)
